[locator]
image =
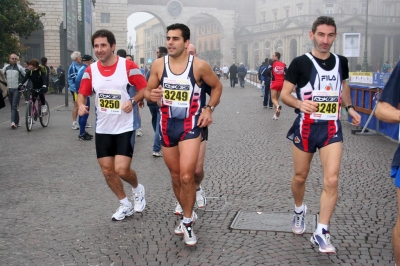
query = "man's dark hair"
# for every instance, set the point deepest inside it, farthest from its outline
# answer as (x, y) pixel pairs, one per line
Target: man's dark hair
(184, 29)
(266, 60)
(43, 60)
(121, 53)
(278, 55)
(104, 33)
(270, 61)
(133, 58)
(163, 49)
(323, 20)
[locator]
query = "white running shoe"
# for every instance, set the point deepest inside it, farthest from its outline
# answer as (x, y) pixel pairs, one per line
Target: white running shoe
(275, 117)
(201, 199)
(189, 237)
(157, 153)
(323, 241)
(139, 132)
(44, 109)
(75, 125)
(88, 125)
(299, 222)
(178, 209)
(179, 229)
(122, 212)
(139, 200)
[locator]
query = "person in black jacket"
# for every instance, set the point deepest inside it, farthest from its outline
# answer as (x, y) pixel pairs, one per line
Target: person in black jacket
(37, 75)
(233, 70)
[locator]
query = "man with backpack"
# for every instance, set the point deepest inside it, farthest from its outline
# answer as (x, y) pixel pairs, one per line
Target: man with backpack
(267, 83)
(14, 73)
(261, 71)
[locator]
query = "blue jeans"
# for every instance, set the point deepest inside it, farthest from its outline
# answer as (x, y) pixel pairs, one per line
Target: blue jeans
(267, 95)
(155, 122)
(13, 96)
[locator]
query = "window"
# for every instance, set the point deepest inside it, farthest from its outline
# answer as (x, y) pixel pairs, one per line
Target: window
(267, 47)
(263, 16)
(105, 17)
(275, 14)
(287, 12)
(386, 10)
(364, 8)
(300, 10)
(329, 9)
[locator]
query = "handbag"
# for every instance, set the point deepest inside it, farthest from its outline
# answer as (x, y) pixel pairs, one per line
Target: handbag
(2, 102)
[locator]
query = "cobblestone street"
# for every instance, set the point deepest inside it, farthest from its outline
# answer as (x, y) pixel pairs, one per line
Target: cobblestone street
(55, 206)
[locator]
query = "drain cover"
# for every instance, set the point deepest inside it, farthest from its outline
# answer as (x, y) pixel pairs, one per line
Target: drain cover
(275, 221)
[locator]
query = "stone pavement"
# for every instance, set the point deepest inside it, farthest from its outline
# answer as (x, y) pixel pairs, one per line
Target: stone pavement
(55, 207)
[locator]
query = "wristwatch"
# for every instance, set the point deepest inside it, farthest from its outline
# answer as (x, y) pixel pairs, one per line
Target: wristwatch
(211, 107)
(133, 102)
(348, 107)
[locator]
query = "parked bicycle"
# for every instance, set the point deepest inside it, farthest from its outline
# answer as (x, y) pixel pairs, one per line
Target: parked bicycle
(34, 111)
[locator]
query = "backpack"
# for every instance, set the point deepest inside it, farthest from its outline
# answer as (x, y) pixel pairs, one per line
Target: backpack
(261, 72)
(44, 68)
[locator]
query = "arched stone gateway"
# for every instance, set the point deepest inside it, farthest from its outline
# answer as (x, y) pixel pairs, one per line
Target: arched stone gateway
(228, 15)
(176, 12)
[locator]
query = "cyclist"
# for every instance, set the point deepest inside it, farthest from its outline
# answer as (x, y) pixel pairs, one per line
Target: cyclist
(37, 75)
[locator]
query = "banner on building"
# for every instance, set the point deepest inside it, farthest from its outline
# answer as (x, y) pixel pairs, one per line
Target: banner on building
(351, 44)
(361, 77)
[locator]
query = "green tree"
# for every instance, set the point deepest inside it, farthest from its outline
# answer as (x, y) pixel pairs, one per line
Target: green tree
(17, 19)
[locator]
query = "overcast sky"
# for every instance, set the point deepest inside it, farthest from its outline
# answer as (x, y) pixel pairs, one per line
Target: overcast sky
(134, 20)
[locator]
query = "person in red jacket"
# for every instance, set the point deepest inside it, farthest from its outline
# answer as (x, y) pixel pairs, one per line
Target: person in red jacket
(277, 75)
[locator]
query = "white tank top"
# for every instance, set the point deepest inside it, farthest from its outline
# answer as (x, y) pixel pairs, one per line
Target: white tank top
(111, 94)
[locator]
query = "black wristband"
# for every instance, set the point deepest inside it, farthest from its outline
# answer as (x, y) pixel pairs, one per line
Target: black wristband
(349, 106)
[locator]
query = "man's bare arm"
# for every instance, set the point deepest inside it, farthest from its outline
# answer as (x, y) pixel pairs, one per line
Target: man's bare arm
(387, 113)
(82, 108)
(346, 98)
(209, 77)
(287, 97)
(154, 81)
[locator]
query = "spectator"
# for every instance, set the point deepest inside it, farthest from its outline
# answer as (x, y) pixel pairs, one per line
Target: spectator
(72, 73)
(233, 70)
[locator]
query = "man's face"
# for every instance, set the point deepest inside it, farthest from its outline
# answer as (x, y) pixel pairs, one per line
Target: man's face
(79, 59)
(191, 50)
(175, 44)
(13, 59)
(102, 49)
(323, 38)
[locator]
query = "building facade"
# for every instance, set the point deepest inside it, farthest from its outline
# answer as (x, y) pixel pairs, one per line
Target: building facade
(225, 31)
(284, 27)
(149, 36)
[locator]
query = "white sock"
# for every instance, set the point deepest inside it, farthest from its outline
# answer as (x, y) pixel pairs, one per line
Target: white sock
(136, 190)
(125, 202)
(299, 209)
(320, 227)
(186, 220)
